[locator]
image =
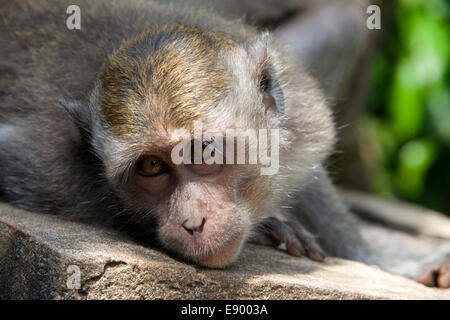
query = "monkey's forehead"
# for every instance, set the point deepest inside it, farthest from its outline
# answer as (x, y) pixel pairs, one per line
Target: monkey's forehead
(173, 74)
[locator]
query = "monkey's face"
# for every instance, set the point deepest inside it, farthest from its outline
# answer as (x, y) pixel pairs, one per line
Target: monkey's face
(203, 199)
(198, 208)
(204, 210)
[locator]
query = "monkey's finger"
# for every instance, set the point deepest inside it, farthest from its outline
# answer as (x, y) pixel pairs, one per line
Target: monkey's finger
(311, 248)
(435, 277)
(274, 229)
(264, 239)
(427, 278)
(443, 278)
(437, 274)
(280, 232)
(293, 246)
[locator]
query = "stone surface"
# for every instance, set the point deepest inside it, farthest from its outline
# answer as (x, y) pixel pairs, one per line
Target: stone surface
(38, 251)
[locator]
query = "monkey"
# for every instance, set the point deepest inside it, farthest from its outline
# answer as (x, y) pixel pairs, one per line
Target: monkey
(89, 120)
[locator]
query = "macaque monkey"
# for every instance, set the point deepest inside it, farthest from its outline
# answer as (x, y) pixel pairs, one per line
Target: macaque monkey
(90, 118)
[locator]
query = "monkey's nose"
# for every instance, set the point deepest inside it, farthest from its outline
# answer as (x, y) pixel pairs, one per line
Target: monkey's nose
(193, 225)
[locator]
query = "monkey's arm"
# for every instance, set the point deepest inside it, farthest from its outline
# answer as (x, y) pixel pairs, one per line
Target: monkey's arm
(321, 209)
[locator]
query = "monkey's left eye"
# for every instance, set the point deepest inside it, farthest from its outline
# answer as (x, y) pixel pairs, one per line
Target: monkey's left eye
(151, 166)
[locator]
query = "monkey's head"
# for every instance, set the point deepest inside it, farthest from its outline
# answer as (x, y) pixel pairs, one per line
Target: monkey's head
(173, 101)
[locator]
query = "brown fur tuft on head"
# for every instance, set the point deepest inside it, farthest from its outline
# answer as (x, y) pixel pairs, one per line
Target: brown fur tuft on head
(169, 75)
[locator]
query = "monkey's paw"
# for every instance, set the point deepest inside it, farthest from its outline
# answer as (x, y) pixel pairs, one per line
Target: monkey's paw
(436, 273)
(296, 239)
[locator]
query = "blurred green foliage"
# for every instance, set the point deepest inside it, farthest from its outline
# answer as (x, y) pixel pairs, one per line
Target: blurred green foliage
(408, 120)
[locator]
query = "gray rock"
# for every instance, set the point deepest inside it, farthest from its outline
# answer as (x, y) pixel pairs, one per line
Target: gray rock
(41, 254)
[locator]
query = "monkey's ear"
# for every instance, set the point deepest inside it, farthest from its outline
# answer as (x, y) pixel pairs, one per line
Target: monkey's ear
(78, 111)
(259, 55)
(263, 73)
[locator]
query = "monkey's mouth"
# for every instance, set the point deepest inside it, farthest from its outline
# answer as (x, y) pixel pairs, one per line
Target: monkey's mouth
(222, 256)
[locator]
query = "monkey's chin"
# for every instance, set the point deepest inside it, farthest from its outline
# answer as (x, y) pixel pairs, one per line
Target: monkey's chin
(221, 257)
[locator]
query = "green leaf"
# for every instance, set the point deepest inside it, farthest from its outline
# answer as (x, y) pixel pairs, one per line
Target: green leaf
(415, 158)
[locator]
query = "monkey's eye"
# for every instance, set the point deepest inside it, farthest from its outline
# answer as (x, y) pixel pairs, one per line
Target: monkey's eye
(200, 156)
(209, 144)
(151, 166)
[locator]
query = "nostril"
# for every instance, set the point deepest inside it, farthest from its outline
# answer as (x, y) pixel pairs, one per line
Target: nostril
(200, 229)
(192, 227)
